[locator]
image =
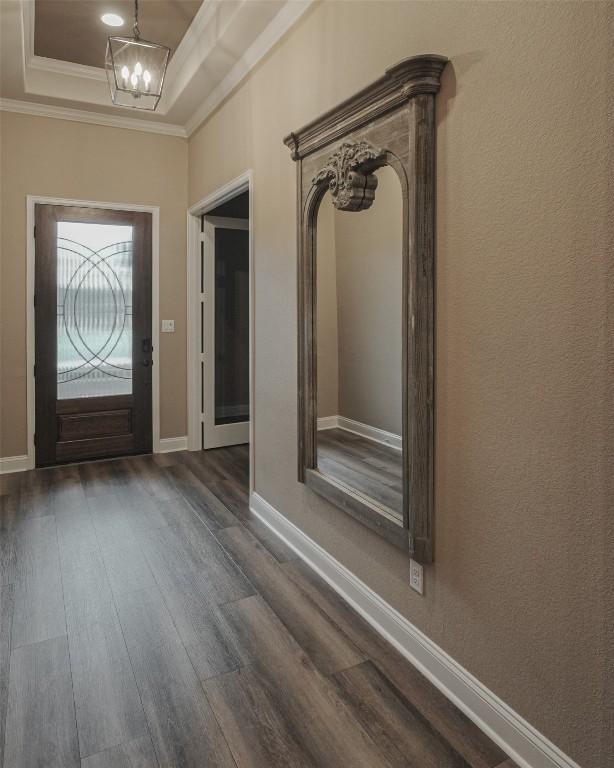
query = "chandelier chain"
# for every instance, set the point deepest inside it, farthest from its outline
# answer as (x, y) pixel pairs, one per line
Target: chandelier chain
(135, 28)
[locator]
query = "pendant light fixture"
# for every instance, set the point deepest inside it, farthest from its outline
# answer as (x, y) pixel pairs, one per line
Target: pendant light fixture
(136, 69)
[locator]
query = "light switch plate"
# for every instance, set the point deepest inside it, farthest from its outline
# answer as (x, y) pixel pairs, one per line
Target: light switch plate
(168, 326)
(416, 577)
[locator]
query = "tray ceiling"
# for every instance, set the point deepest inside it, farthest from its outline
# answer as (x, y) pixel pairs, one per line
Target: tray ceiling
(52, 55)
(72, 31)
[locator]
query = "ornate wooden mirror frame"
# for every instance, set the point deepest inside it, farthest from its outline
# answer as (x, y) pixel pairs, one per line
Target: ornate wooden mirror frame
(390, 122)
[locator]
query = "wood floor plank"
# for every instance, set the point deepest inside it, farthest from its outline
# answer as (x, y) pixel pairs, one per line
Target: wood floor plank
(269, 540)
(199, 464)
(7, 557)
(40, 723)
(10, 483)
(190, 553)
(138, 753)
(257, 730)
(108, 705)
(403, 734)
(35, 493)
(111, 522)
(476, 748)
(154, 481)
(127, 569)
(201, 500)
(203, 629)
(6, 618)
(182, 725)
(87, 591)
(315, 713)
(233, 496)
(99, 478)
(212, 509)
(178, 511)
(229, 466)
(192, 594)
(75, 528)
(141, 511)
(39, 604)
(28, 498)
(326, 644)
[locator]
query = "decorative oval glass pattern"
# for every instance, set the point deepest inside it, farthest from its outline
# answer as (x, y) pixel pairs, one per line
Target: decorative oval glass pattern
(94, 310)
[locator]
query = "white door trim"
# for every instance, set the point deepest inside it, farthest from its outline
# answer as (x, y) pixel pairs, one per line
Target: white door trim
(242, 183)
(31, 201)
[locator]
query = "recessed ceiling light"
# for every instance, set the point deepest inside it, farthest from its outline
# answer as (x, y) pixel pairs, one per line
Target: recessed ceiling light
(112, 20)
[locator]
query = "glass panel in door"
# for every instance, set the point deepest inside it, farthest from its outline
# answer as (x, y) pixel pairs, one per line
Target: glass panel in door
(94, 309)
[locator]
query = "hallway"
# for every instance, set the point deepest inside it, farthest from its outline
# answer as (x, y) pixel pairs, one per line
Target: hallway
(151, 620)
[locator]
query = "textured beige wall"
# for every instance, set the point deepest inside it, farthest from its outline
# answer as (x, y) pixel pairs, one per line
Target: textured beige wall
(58, 158)
(524, 371)
(369, 247)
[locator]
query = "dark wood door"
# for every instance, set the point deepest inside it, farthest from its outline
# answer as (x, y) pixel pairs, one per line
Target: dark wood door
(93, 333)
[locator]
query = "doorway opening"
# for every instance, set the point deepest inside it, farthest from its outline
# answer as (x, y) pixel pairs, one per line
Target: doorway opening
(220, 321)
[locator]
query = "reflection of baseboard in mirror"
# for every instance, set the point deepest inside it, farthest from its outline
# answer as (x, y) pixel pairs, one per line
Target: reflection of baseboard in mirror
(366, 430)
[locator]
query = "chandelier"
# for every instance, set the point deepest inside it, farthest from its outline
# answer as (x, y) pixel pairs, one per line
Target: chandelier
(135, 69)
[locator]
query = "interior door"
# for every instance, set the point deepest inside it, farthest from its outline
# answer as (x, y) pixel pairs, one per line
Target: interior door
(225, 331)
(93, 333)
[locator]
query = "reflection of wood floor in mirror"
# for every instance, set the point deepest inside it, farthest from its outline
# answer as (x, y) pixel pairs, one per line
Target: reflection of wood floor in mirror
(369, 467)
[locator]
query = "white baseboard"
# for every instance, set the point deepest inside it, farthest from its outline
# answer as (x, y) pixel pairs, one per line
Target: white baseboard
(22, 463)
(364, 430)
(170, 444)
(328, 422)
(14, 464)
(516, 737)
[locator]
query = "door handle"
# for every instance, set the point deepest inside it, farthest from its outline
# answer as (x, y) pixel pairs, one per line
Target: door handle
(146, 362)
(147, 346)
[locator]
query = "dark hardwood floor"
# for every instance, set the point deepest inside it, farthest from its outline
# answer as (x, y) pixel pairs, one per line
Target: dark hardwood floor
(147, 620)
(372, 468)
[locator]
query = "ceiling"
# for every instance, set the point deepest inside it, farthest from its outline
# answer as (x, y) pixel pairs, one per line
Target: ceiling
(52, 56)
(72, 31)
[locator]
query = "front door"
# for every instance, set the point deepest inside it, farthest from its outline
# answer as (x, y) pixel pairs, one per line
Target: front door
(225, 331)
(93, 333)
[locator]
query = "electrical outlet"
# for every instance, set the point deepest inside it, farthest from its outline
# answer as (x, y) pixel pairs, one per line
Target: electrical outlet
(416, 577)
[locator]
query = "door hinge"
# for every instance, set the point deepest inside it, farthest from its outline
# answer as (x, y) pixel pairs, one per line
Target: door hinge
(35, 231)
(34, 370)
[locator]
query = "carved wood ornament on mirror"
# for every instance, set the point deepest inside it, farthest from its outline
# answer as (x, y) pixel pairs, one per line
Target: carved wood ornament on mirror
(390, 122)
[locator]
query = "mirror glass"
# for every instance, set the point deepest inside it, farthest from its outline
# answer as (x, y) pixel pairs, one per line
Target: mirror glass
(359, 346)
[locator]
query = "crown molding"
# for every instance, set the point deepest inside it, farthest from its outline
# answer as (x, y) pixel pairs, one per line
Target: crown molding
(94, 118)
(190, 53)
(283, 21)
(66, 68)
